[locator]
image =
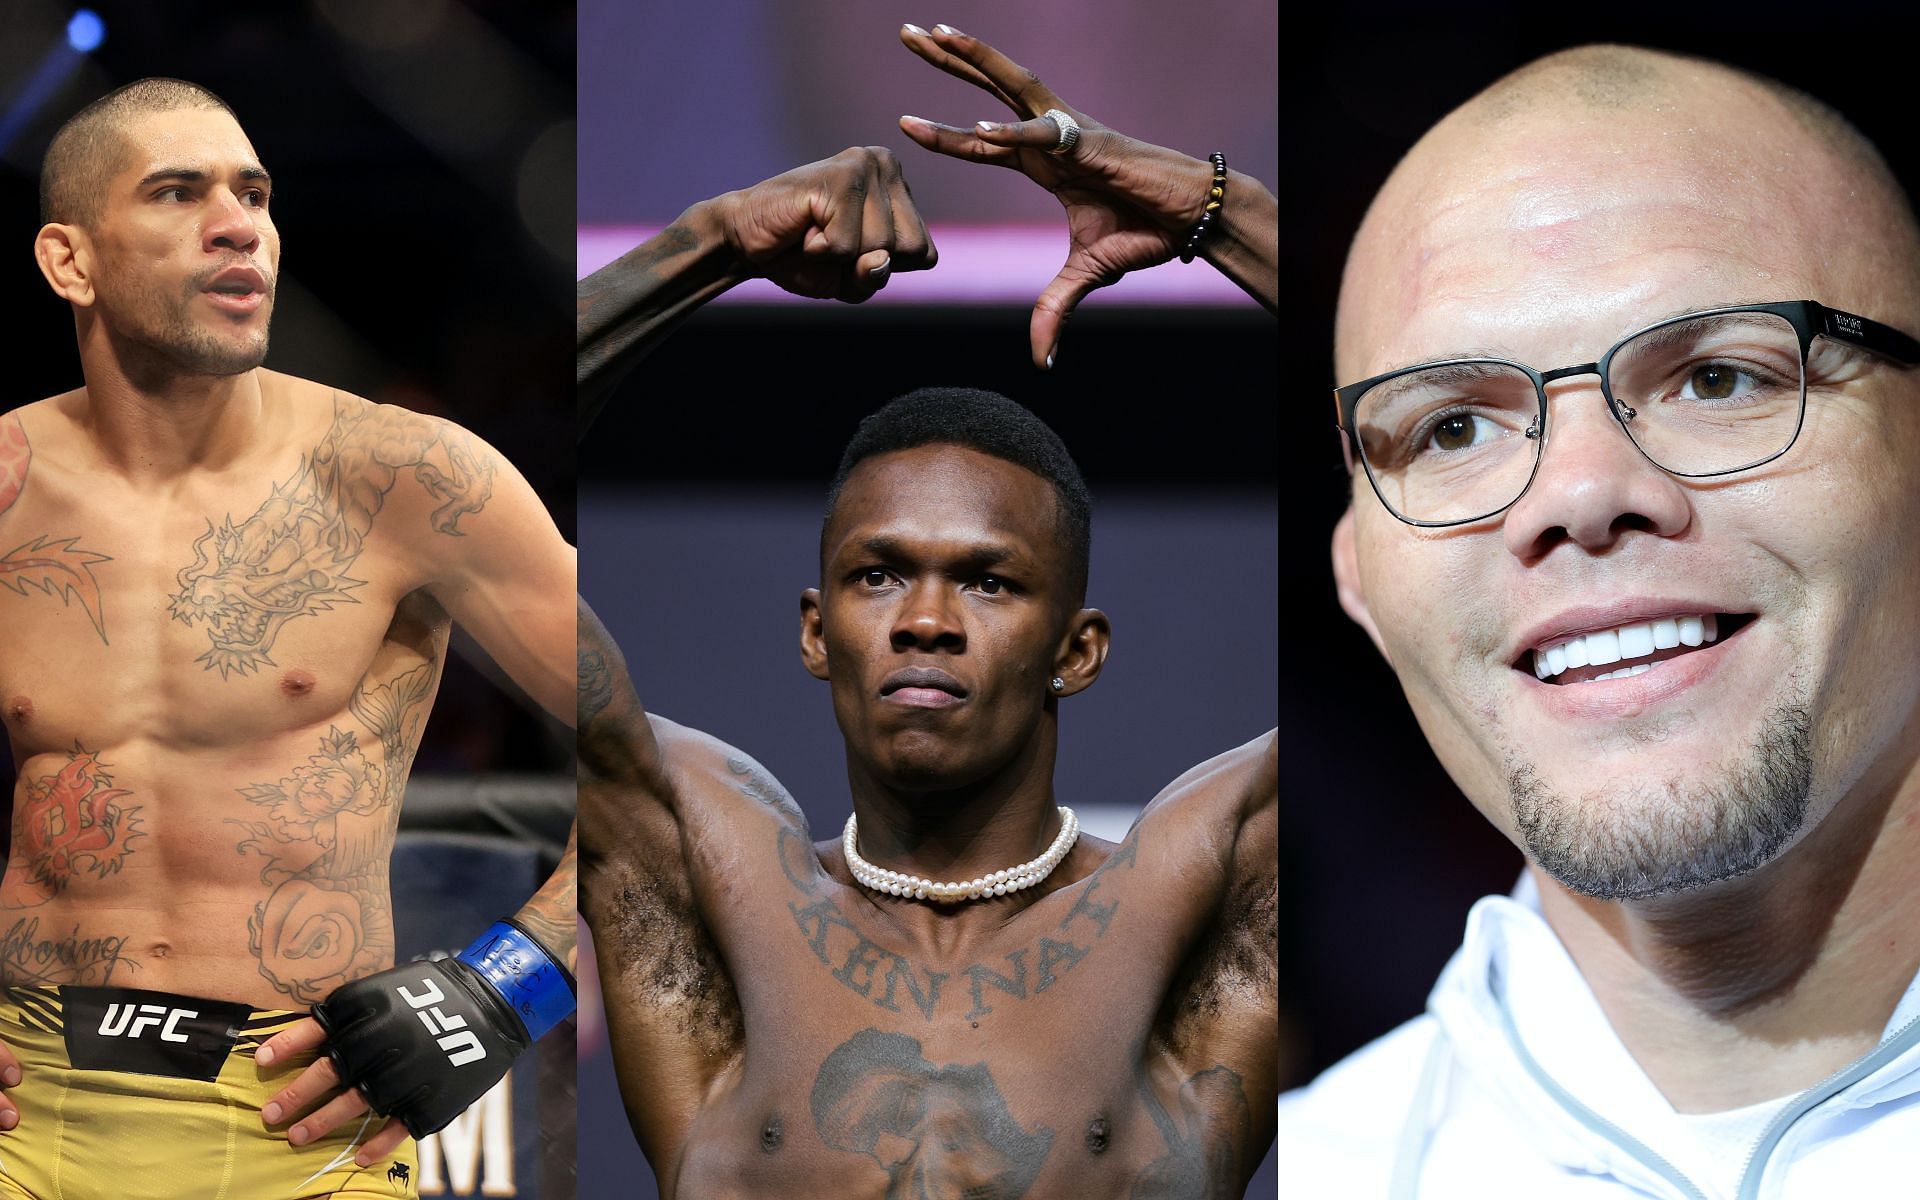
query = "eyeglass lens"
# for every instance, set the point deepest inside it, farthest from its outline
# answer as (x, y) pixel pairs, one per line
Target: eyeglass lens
(1700, 396)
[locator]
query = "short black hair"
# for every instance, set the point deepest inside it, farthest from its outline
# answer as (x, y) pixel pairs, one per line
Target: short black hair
(993, 425)
(88, 147)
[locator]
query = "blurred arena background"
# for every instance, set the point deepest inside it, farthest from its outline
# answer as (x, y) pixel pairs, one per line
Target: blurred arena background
(423, 160)
(703, 483)
(1387, 855)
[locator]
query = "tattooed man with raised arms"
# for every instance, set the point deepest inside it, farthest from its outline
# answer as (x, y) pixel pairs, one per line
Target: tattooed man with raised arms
(228, 598)
(831, 1019)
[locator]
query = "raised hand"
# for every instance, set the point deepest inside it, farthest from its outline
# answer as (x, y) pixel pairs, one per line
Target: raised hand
(836, 229)
(1129, 203)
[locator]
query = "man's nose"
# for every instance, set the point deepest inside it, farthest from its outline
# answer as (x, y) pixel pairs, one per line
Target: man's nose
(230, 225)
(1592, 484)
(929, 618)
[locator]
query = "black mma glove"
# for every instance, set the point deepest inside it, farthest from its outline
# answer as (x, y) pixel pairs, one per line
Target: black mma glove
(426, 1039)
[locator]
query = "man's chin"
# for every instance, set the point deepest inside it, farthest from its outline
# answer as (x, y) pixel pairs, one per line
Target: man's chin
(1642, 833)
(926, 764)
(225, 358)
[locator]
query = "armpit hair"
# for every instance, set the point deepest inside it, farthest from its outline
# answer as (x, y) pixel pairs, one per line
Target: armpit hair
(669, 957)
(1236, 964)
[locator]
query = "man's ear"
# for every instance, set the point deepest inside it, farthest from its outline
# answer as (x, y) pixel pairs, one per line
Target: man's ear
(66, 259)
(1346, 578)
(813, 637)
(1083, 652)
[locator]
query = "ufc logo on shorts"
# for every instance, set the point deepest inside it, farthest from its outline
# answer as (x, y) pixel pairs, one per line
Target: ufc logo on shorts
(462, 1047)
(121, 1021)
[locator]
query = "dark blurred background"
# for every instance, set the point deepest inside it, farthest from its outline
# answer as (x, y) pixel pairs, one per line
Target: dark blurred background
(703, 484)
(1388, 856)
(423, 163)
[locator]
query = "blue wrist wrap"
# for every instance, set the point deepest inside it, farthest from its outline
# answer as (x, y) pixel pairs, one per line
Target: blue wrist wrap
(536, 987)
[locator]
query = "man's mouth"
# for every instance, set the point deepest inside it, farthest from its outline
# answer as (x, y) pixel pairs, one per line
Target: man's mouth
(237, 289)
(1623, 651)
(922, 687)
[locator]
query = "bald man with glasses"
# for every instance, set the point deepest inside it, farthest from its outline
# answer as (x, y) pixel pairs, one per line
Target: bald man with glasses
(1658, 613)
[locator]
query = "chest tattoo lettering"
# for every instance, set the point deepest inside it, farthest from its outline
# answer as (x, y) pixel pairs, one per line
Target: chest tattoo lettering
(895, 983)
(291, 558)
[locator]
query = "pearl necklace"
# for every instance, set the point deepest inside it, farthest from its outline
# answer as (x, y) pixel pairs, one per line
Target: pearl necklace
(999, 883)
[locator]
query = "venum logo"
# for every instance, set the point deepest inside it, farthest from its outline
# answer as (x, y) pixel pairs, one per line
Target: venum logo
(1848, 324)
(462, 1047)
(132, 1020)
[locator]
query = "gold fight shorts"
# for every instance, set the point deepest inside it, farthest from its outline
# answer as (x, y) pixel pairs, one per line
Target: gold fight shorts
(135, 1095)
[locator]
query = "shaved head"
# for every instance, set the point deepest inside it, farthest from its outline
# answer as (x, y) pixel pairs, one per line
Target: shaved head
(1742, 128)
(90, 147)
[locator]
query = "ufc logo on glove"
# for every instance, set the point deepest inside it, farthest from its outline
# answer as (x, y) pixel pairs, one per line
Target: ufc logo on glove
(462, 1048)
(485, 1004)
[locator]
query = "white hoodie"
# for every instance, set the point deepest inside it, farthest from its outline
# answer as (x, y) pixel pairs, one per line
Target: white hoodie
(1513, 1086)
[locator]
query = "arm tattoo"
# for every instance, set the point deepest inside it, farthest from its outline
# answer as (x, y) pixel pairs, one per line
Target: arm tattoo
(56, 566)
(628, 307)
(594, 686)
(326, 831)
(550, 915)
(15, 457)
(754, 783)
(292, 556)
(879, 1085)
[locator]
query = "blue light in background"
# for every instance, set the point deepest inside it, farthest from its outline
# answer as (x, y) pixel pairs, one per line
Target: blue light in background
(86, 31)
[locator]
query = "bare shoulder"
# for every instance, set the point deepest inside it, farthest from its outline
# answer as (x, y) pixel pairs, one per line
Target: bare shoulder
(1233, 786)
(46, 427)
(717, 781)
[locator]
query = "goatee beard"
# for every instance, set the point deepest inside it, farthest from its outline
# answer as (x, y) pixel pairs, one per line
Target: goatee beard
(1657, 839)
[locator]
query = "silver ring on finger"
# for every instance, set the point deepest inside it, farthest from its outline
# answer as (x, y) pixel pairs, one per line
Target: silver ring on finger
(1068, 127)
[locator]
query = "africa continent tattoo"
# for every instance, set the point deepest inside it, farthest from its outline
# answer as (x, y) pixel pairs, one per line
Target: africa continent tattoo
(326, 831)
(56, 566)
(936, 1131)
(291, 558)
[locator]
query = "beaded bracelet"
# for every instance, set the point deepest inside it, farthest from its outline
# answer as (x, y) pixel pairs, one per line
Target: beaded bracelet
(1216, 196)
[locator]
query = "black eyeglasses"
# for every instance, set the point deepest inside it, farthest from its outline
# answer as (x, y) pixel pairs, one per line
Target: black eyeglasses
(1709, 393)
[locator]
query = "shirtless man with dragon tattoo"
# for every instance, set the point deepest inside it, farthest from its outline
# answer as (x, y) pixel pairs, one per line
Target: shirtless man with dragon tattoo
(228, 594)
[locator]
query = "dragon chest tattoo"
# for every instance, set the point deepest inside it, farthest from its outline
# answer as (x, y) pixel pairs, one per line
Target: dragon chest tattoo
(293, 557)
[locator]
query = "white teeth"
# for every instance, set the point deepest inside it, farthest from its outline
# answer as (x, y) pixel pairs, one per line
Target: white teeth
(1625, 672)
(1606, 646)
(1603, 647)
(1636, 641)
